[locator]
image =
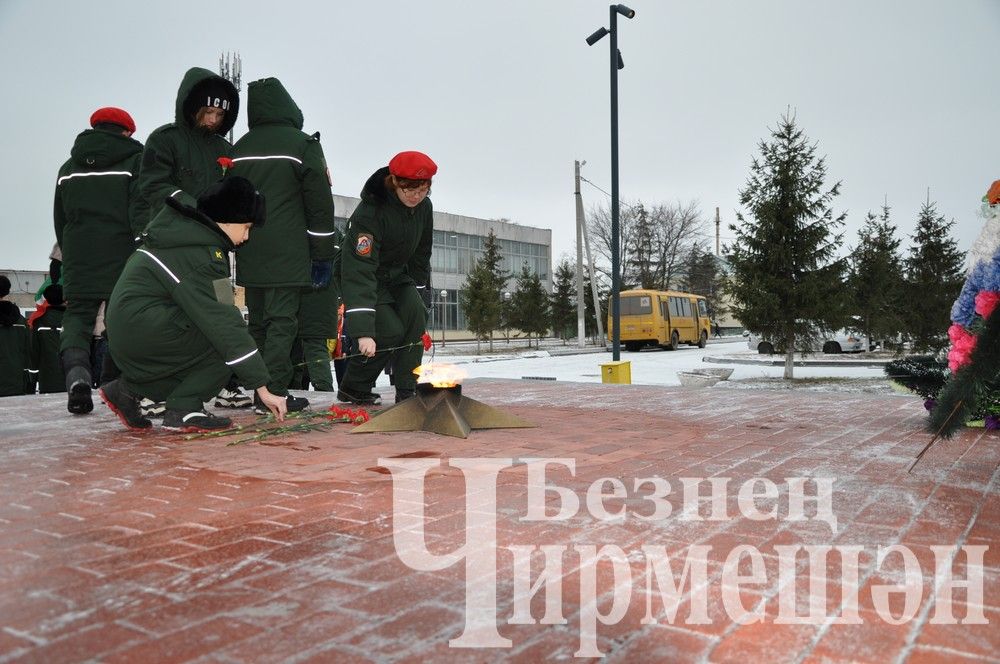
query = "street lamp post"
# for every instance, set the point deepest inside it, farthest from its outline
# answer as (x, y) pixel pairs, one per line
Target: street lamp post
(506, 316)
(444, 313)
(616, 64)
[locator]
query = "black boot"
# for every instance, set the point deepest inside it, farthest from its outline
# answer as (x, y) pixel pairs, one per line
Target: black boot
(76, 366)
(404, 394)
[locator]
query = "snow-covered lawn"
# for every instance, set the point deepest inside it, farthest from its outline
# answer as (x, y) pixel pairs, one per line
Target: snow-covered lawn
(656, 367)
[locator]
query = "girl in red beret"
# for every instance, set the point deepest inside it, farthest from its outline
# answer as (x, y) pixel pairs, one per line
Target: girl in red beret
(385, 272)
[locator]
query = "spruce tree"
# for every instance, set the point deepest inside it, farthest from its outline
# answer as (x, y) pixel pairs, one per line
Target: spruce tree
(530, 305)
(701, 275)
(934, 278)
(481, 293)
(875, 283)
(563, 301)
(786, 279)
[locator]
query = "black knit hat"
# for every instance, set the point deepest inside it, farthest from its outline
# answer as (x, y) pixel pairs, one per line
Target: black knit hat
(4, 285)
(214, 93)
(233, 200)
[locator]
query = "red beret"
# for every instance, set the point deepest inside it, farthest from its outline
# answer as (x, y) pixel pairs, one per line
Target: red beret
(413, 166)
(114, 116)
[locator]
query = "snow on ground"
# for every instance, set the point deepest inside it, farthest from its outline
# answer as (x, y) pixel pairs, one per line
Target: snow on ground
(654, 366)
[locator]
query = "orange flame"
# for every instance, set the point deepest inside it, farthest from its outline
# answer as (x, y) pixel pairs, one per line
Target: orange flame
(440, 375)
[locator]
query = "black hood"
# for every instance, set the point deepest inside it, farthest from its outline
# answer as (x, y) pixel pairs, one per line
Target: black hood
(9, 313)
(96, 148)
(374, 190)
(189, 98)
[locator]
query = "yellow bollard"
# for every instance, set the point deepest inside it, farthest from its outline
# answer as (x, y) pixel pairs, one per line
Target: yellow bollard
(617, 372)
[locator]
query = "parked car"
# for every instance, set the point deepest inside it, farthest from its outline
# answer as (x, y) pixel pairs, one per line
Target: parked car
(841, 341)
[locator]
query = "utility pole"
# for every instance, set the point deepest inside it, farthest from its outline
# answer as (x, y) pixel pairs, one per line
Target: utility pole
(231, 69)
(717, 222)
(593, 283)
(580, 309)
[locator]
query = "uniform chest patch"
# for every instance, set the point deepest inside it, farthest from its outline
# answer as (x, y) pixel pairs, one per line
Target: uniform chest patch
(364, 245)
(217, 254)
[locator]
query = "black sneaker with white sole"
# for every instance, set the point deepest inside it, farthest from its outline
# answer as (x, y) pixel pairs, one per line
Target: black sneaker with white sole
(194, 421)
(233, 398)
(124, 405)
(292, 403)
(359, 398)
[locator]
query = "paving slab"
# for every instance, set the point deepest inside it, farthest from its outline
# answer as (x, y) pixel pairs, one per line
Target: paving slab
(330, 546)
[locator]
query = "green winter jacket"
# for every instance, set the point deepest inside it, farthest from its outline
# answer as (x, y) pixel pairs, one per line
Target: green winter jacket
(180, 160)
(318, 308)
(95, 212)
(15, 351)
(318, 313)
(288, 167)
(386, 245)
(173, 305)
(45, 331)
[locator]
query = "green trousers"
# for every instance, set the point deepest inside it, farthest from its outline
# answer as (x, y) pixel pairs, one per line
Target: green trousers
(187, 391)
(273, 325)
(399, 323)
(317, 362)
(78, 324)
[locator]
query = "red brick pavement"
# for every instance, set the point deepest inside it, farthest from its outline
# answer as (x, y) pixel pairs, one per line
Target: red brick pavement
(125, 547)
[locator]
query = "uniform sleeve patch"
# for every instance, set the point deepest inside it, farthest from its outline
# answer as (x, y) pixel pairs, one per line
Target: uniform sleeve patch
(364, 245)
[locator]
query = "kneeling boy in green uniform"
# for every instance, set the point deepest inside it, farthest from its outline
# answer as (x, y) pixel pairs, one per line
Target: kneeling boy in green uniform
(172, 327)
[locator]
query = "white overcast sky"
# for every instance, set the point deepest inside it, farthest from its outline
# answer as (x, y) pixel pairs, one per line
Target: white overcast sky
(900, 96)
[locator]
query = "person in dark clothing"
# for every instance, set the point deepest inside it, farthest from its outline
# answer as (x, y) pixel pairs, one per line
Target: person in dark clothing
(95, 225)
(716, 330)
(46, 330)
(385, 273)
(294, 251)
(15, 348)
(172, 326)
(317, 323)
(182, 159)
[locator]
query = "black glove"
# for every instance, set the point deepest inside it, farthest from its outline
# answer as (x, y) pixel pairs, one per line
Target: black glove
(321, 273)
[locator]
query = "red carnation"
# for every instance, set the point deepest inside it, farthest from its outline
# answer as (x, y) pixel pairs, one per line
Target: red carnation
(963, 343)
(226, 163)
(986, 302)
(427, 341)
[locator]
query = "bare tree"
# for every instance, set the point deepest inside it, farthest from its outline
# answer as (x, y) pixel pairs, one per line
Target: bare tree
(599, 227)
(654, 241)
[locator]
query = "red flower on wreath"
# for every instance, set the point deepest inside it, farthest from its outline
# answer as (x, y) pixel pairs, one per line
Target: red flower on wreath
(226, 163)
(428, 342)
(962, 344)
(986, 302)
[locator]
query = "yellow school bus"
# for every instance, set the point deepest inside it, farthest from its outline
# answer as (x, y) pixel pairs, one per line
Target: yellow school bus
(661, 318)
